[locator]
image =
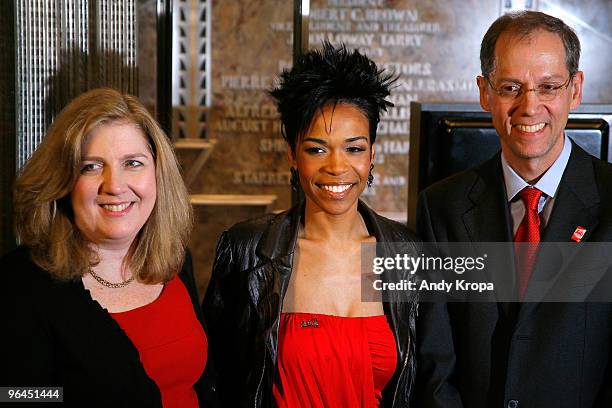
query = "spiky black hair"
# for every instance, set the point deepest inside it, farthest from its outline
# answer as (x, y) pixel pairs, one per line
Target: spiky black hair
(330, 76)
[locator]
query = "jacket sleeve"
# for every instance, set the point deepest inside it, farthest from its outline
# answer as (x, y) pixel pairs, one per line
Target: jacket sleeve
(214, 300)
(27, 355)
(224, 308)
(436, 358)
(604, 398)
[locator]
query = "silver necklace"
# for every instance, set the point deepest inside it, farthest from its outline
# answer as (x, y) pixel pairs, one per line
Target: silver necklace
(108, 284)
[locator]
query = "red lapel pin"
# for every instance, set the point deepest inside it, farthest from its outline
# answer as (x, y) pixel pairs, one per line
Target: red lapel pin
(578, 234)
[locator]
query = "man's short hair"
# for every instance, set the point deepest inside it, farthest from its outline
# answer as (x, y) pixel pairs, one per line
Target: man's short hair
(522, 24)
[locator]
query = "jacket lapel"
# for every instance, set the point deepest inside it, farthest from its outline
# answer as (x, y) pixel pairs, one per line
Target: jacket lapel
(397, 309)
(268, 281)
(488, 220)
(576, 205)
(577, 202)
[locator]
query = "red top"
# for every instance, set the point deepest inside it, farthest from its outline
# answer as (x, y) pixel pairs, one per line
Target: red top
(333, 361)
(171, 343)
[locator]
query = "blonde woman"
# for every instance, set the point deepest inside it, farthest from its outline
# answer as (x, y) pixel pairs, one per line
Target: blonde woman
(101, 291)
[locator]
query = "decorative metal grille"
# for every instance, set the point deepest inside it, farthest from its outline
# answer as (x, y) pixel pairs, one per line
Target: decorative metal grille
(7, 124)
(65, 47)
(191, 91)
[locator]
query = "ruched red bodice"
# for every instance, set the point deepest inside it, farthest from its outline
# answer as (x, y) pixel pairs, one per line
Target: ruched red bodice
(332, 361)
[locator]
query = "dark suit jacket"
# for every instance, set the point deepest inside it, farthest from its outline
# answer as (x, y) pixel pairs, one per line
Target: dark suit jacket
(483, 355)
(55, 335)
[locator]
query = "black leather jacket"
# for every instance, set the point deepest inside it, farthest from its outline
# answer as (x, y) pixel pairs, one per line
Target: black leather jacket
(244, 299)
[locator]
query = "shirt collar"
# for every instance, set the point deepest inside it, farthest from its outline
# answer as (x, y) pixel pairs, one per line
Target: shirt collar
(548, 183)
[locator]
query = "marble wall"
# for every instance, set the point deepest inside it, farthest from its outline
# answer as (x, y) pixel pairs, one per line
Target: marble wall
(433, 46)
(247, 55)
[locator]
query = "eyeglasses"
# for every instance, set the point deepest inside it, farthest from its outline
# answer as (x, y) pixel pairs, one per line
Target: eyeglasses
(546, 91)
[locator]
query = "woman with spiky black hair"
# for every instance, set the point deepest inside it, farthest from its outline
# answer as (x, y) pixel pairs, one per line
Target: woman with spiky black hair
(287, 321)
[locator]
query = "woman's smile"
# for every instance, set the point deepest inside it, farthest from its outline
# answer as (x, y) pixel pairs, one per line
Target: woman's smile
(333, 158)
(116, 190)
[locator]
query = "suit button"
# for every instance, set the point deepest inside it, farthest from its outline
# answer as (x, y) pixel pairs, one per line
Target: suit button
(512, 404)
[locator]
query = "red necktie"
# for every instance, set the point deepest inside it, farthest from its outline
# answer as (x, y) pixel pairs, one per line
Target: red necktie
(528, 231)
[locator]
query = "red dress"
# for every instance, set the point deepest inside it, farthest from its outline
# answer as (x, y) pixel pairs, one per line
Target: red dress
(171, 343)
(332, 361)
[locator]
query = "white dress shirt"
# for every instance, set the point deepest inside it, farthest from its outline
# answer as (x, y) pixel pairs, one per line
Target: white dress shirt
(548, 184)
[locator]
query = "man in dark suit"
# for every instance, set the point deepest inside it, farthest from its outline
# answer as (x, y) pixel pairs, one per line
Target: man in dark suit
(540, 187)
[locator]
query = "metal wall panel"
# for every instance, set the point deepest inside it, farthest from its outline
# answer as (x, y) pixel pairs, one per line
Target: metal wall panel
(7, 123)
(191, 92)
(65, 47)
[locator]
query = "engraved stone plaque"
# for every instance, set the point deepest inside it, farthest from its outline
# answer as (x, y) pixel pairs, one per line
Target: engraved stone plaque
(247, 55)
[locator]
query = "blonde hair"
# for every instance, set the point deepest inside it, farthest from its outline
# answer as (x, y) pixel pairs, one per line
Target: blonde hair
(44, 219)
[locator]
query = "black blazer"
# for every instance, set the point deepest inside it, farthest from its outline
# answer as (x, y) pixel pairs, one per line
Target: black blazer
(58, 336)
(540, 355)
